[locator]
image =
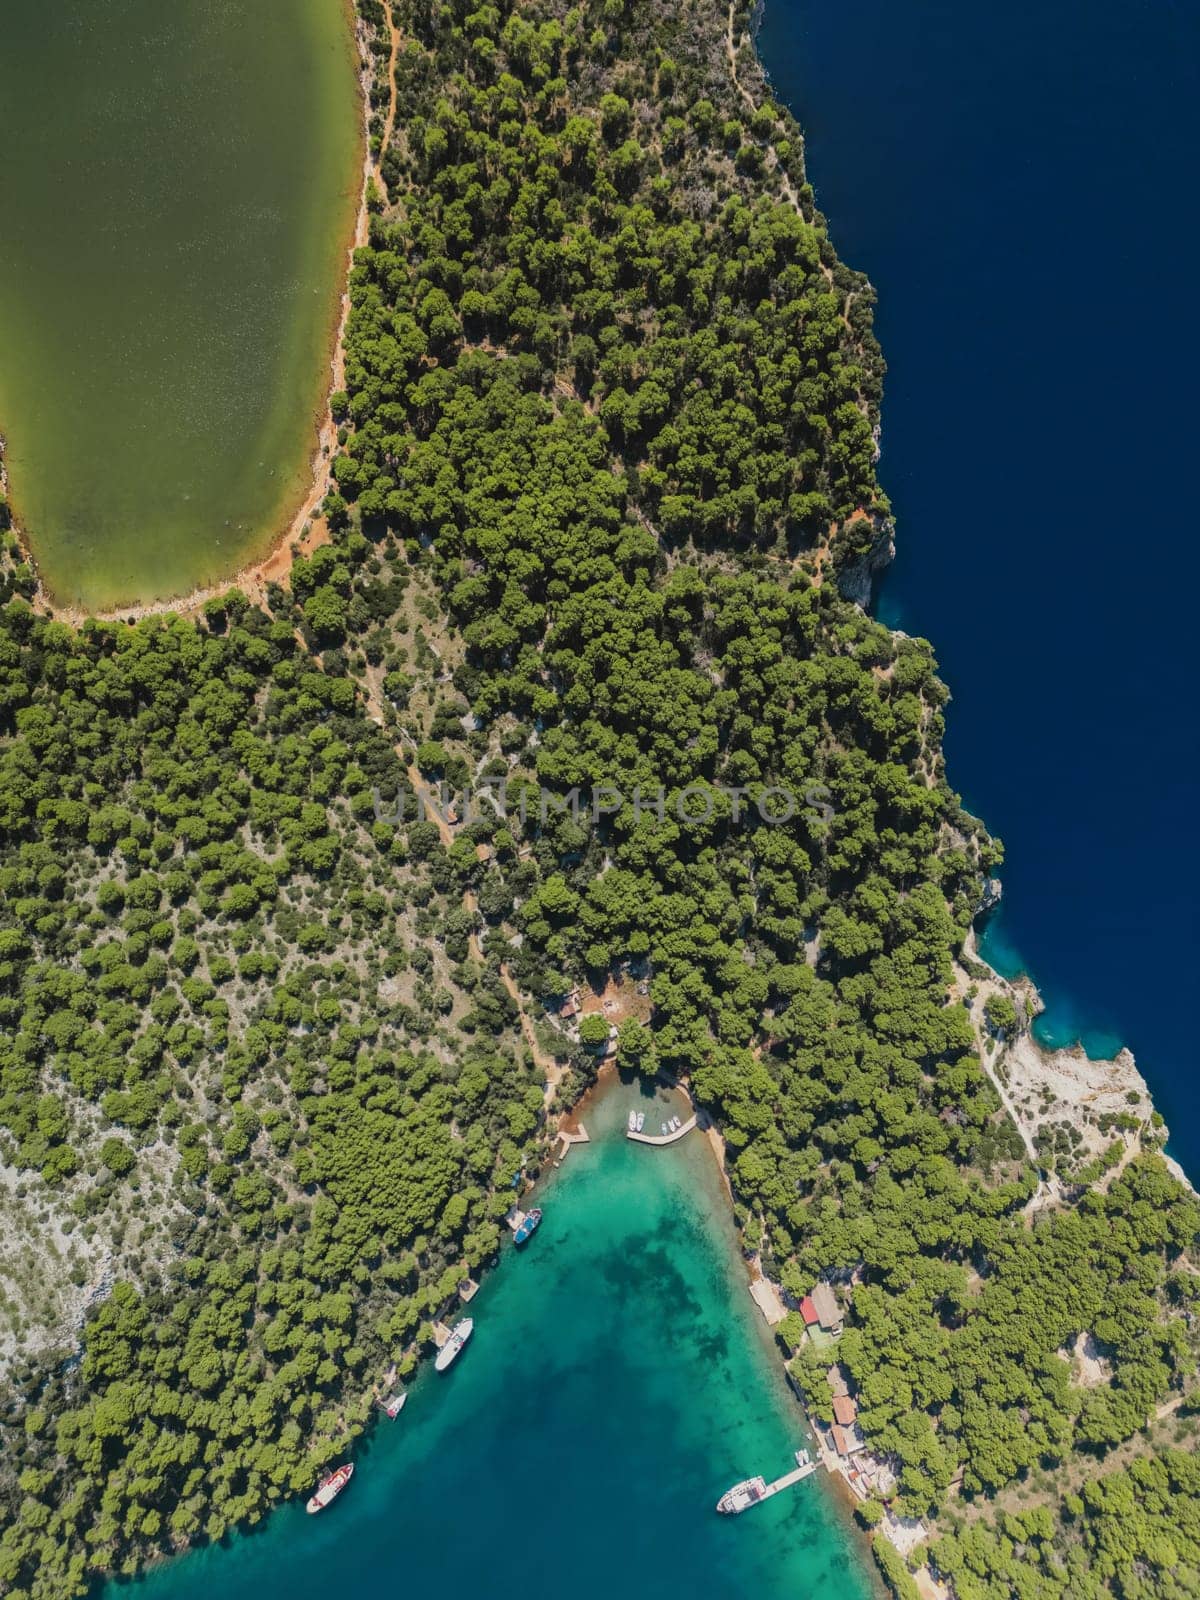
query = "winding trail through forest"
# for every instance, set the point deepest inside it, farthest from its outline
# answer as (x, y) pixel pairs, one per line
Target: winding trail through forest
(553, 1067)
(389, 121)
(773, 161)
(1049, 1189)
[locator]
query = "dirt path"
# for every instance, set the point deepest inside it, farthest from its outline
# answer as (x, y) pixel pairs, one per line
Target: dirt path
(1049, 1189)
(773, 163)
(389, 121)
(1170, 1407)
(554, 1069)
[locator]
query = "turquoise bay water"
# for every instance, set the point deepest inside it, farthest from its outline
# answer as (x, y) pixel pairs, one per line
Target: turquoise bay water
(1064, 1023)
(618, 1381)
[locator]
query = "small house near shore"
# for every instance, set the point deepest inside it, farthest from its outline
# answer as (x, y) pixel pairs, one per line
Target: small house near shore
(845, 1412)
(766, 1297)
(824, 1303)
(847, 1441)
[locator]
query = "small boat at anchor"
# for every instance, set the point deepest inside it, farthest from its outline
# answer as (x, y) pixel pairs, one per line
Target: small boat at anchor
(528, 1226)
(641, 1121)
(633, 1122)
(395, 1405)
(329, 1488)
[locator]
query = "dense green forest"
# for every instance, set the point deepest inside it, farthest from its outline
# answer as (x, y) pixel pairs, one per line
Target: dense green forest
(604, 487)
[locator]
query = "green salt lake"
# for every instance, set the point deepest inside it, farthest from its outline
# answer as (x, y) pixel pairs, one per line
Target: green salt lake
(177, 187)
(618, 1381)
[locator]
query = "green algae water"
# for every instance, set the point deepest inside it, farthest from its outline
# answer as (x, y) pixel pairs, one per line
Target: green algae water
(178, 184)
(619, 1380)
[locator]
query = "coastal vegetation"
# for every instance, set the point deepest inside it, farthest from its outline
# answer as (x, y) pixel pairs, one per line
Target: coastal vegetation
(604, 495)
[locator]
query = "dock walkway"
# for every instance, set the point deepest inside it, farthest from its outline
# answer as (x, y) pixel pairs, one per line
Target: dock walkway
(789, 1478)
(663, 1138)
(567, 1140)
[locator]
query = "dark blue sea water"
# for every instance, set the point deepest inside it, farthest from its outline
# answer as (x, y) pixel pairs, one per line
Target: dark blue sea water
(1018, 182)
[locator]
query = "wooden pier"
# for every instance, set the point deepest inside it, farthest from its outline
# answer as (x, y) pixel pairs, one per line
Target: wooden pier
(789, 1478)
(804, 1468)
(663, 1138)
(568, 1139)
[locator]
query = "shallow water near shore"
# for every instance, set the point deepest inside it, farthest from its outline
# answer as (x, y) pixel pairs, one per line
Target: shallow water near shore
(178, 185)
(618, 1381)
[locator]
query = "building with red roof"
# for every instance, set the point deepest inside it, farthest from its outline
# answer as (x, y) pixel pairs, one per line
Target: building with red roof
(844, 1410)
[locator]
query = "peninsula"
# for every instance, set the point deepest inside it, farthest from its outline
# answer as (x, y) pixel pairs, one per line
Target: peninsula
(280, 1047)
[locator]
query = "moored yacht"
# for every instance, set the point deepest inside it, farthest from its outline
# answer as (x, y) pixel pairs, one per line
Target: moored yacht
(528, 1226)
(329, 1488)
(450, 1350)
(742, 1496)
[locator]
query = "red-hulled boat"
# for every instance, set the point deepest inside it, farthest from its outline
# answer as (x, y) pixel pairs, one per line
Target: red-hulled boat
(329, 1488)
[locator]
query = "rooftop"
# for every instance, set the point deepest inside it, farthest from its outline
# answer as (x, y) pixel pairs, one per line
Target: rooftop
(845, 1411)
(829, 1313)
(846, 1440)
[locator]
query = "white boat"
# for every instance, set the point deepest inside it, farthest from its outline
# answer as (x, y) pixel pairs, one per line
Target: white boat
(742, 1496)
(633, 1122)
(641, 1121)
(664, 1127)
(395, 1405)
(329, 1488)
(461, 1333)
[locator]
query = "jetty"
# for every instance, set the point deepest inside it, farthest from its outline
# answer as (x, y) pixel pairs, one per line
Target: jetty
(753, 1491)
(568, 1139)
(805, 1469)
(663, 1138)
